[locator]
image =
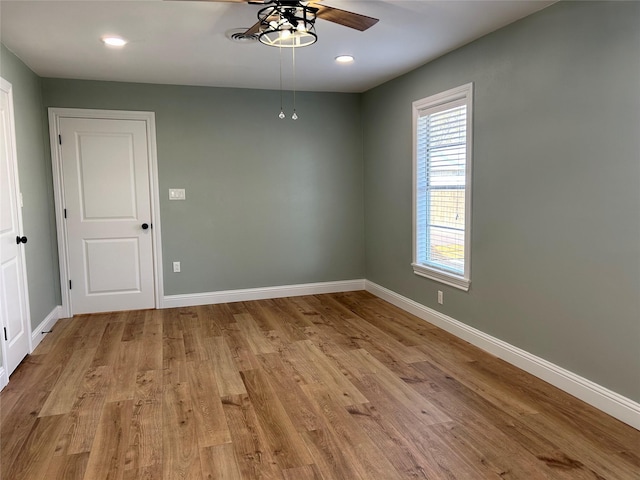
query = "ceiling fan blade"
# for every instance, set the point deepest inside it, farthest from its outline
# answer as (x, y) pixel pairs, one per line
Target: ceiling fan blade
(253, 30)
(342, 17)
(216, 1)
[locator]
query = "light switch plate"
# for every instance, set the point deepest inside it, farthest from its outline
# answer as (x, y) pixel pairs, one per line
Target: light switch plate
(177, 194)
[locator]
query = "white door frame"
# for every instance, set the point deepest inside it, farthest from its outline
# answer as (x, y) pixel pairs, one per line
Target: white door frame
(8, 88)
(56, 159)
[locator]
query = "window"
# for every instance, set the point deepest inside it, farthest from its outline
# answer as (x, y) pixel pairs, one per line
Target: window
(442, 186)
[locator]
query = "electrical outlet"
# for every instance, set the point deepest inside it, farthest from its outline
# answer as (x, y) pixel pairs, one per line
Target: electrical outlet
(176, 267)
(440, 297)
(177, 194)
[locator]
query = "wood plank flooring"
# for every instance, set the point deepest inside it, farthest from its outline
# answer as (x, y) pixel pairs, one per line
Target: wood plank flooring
(331, 387)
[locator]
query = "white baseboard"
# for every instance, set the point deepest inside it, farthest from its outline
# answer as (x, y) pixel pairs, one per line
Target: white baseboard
(46, 325)
(228, 296)
(622, 408)
(4, 379)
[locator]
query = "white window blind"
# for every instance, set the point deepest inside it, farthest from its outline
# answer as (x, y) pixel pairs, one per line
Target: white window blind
(441, 186)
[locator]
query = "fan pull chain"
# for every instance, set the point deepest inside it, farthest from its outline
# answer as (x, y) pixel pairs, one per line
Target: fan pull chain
(281, 115)
(295, 115)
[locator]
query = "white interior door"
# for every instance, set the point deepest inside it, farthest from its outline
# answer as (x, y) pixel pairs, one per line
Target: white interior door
(14, 310)
(105, 171)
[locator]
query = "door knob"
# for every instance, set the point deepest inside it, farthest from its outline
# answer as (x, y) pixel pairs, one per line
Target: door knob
(145, 226)
(20, 240)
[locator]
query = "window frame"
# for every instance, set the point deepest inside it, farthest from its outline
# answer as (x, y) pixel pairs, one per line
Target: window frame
(423, 107)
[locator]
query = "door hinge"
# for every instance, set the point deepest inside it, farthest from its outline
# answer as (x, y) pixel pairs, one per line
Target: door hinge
(5, 334)
(60, 139)
(65, 213)
(69, 284)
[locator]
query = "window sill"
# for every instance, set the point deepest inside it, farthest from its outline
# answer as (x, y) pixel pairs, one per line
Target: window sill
(442, 277)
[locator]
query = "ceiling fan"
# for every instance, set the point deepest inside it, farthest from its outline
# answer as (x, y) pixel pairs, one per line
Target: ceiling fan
(291, 23)
(298, 16)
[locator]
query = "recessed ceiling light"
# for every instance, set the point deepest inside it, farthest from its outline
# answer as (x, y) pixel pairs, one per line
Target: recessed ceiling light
(114, 41)
(344, 59)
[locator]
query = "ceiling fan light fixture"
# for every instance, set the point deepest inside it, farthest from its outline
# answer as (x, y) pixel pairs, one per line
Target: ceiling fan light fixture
(287, 25)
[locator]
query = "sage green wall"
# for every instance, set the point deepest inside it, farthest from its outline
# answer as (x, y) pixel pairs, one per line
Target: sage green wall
(556, 187)
(34, 169)
(268, 201)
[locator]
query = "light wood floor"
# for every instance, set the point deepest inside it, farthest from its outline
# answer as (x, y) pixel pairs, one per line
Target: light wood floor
(333, 387)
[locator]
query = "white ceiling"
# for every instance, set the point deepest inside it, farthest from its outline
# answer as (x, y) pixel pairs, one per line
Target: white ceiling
(184, 42)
